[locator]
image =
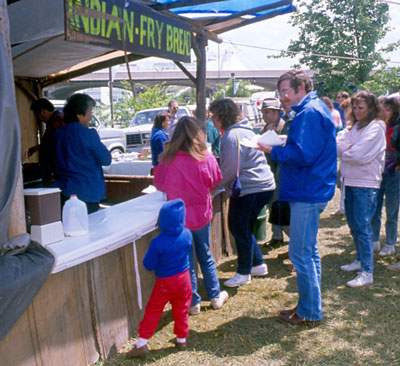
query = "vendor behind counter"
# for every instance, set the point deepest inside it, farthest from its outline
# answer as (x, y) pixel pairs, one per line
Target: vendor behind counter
(79, 154)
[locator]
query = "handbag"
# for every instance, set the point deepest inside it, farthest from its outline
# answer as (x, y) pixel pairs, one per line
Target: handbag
(279, 213)
(237, 186)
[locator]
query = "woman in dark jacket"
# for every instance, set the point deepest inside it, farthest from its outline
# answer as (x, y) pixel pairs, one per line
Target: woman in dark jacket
(79, 154)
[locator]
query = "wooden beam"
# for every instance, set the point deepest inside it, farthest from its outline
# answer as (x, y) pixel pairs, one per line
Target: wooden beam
(45, 82)
(186, 72)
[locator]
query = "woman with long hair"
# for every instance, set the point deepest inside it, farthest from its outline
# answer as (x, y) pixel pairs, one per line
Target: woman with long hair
(79, 154)
(390, 185)
(249, 166)
(188, 171)
(361, 148)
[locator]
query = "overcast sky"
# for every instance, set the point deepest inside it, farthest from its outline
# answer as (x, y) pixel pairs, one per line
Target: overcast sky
(276, 34)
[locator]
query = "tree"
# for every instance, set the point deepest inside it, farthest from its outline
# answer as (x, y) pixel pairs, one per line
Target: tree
(383, 81)
(226, 90)
(126, 107)
(350, 30)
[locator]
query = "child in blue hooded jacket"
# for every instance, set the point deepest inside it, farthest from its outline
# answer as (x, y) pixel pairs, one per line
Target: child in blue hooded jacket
(168, 257)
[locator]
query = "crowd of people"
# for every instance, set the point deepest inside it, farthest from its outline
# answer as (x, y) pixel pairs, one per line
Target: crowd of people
(296, 179)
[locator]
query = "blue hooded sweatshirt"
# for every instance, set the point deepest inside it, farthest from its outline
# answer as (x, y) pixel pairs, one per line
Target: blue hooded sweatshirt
(308, 160)
(168, 253)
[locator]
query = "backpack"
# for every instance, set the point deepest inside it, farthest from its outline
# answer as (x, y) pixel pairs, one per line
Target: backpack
(395, 142)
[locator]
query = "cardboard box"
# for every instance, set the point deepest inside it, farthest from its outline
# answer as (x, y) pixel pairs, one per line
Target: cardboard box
(43, 205)
(47, 234)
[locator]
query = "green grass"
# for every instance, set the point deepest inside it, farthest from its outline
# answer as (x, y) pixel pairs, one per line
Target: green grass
(360, 326)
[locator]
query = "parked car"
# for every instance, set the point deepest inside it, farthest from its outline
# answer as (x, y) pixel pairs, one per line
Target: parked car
(113, 138)
(139, 131)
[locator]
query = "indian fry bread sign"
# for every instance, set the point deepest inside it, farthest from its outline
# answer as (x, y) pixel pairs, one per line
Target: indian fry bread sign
(124, 25)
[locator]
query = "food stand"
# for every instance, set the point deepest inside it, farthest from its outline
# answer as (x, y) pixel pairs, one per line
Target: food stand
(93, 300)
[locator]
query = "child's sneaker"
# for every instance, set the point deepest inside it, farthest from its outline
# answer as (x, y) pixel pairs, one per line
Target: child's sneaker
(377, 246)
(218, 302)
(181, 346)
(136, 352)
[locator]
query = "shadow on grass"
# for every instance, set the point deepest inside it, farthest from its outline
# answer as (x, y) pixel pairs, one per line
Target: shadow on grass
(332, 222)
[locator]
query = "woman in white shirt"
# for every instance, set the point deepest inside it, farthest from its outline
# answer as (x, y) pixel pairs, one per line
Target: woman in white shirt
(361, 149)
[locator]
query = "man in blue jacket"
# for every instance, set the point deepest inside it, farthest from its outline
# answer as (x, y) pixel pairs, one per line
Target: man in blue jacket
(307, 182)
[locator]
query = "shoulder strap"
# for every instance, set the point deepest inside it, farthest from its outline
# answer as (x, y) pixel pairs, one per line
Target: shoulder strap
(238, 152)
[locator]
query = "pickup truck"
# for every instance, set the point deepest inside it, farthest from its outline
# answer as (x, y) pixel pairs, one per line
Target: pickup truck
(139, 131)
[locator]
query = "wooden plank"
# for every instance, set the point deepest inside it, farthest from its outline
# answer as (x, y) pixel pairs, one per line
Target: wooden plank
(62, 320)
(115, 295)
(229, 241)
(216, 237)
(56, 328)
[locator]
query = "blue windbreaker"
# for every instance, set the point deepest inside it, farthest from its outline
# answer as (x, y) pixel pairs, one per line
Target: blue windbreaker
(168, 253)
(308, 160)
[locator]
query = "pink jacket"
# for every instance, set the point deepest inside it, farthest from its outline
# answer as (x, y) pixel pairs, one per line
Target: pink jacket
(190, 180)
(362, 154)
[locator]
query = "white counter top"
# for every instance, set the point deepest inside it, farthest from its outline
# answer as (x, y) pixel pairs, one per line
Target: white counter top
(109, 229)
(138, 167)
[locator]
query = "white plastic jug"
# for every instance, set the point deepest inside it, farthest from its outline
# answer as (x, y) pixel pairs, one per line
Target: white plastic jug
(75, 217)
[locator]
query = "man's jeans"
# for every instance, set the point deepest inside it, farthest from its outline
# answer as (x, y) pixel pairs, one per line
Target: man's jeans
(201, 239)
(360, 205)
(304, 254)
(390, 189)
(243, 212)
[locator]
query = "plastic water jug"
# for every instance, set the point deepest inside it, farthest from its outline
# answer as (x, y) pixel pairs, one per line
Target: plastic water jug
(75, 217)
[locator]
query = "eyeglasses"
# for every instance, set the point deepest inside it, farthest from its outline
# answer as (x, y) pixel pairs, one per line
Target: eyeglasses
(283, 93)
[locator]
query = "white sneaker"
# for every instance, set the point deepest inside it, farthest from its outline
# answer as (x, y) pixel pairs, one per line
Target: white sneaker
(354, 266)
(218, 302)
(237, 280)
(377, 246)
(387, 250)
(260, 270)
(394, 267)
(362, 279)
(194, 310)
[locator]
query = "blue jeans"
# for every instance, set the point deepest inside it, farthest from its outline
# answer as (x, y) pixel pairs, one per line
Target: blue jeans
(243, 212)
(304, 254)
(201, 239)
(360, 205)
(390, 189)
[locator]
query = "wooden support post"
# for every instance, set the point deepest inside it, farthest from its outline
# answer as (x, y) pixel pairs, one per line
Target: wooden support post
(200, 43)
(17, 223)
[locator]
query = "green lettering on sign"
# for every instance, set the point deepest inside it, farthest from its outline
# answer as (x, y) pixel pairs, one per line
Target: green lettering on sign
(127, 25)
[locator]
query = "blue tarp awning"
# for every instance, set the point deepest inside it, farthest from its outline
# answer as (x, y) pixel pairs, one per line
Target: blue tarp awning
(221, 16)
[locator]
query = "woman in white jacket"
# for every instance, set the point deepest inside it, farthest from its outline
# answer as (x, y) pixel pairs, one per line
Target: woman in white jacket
(361, 148)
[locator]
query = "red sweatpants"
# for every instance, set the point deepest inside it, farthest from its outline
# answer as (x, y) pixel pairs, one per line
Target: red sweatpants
(178, 290)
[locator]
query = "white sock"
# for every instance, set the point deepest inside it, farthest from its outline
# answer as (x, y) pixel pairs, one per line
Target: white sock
(180, 340)
(141, 342)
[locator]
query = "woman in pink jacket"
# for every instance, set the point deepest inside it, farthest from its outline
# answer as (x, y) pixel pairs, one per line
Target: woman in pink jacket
(361, 148)
(188, 171)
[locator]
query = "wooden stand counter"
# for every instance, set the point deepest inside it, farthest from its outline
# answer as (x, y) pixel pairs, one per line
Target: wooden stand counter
(94, 300)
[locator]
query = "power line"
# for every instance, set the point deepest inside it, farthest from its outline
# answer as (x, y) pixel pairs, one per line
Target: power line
(311, 54)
